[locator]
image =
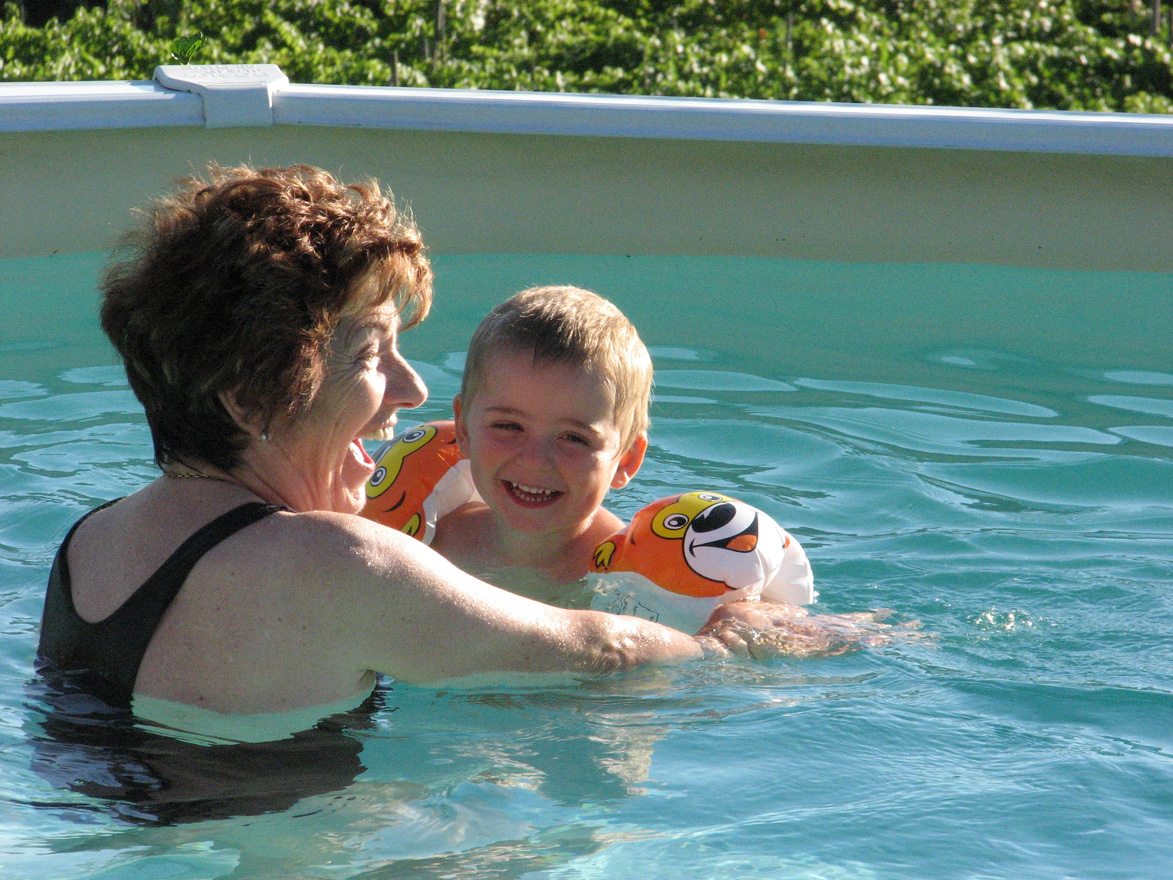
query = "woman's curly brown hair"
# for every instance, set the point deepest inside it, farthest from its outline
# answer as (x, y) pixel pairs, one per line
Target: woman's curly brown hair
(236, 283)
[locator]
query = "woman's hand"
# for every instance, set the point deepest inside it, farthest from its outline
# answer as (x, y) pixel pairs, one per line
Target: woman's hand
(762, 630)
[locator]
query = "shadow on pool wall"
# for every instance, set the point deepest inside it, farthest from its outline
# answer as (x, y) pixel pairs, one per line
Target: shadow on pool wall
(903, 323)
(49, 315)
(497, 172)
(956, 226)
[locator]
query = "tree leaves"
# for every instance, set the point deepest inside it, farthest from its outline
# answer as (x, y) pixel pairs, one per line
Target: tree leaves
(1070, 54)
(185, 48)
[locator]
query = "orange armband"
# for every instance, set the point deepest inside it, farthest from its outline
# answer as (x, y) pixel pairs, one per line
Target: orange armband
(699, 550)
(419, 477)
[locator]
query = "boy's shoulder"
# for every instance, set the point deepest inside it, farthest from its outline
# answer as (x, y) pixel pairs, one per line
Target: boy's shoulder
(469, 537)
(464, 535)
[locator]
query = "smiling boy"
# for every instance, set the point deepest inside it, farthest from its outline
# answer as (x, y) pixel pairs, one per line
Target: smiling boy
(552, 413)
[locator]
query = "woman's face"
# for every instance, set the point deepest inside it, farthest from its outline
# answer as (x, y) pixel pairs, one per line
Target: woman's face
(367, 382)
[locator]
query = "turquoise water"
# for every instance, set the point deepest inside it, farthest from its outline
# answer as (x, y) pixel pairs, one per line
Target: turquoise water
(986, 450)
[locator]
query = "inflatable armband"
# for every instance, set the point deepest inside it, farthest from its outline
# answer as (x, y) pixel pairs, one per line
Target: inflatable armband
(701, 549)
(419, 477)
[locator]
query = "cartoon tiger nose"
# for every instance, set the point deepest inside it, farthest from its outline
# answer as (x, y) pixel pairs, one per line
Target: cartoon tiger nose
(718, 516)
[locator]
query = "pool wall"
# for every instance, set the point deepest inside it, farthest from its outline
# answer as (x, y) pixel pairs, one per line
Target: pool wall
(498, 172)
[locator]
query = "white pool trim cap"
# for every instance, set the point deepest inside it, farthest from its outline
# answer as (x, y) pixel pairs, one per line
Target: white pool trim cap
(233, 95)
(217, 96)
(717, 119)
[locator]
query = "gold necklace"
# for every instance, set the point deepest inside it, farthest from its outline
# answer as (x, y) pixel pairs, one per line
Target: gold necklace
(198, 475)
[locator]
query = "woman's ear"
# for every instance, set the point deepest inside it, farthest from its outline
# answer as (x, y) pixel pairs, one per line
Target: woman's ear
(250, 422)
(461, 428)
(630, 461)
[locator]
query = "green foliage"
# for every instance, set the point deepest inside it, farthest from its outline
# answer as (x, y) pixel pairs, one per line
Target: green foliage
(184, 49)
(1061, 54)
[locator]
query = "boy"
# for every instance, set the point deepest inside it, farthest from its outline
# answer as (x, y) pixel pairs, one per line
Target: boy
(552, 413)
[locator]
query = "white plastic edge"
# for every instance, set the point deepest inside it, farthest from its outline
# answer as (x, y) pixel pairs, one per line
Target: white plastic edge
(234, 95)
(260, 95)
(79, 106)
(715, 119)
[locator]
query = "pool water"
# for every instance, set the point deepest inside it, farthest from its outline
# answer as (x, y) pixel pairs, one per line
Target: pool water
(986, 450)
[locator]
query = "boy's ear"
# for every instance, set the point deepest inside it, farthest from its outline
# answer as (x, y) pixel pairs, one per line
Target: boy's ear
(461, 430)
(630, 462)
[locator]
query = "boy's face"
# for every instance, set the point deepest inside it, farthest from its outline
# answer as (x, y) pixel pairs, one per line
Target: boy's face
(543, 443)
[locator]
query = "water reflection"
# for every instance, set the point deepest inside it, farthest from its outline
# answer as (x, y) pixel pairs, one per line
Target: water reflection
(87, 746)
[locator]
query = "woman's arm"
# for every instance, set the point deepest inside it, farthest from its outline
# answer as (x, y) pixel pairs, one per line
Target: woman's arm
(413, 615)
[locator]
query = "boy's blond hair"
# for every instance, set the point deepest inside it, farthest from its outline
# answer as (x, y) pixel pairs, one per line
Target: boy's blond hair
(562, 324)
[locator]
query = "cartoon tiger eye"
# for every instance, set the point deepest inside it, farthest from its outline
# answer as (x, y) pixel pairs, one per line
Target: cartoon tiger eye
(712, 518)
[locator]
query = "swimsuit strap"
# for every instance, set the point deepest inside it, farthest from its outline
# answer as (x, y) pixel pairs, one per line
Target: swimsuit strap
(69, 535)
(128, 630)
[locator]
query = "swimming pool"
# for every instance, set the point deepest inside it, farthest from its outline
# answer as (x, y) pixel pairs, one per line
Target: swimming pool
(979, 454)
(932, 342)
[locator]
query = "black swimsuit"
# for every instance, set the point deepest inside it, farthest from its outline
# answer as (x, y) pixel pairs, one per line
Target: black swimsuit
(113, 648)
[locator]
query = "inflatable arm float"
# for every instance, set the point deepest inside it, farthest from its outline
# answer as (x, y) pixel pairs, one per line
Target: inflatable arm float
(691, 552)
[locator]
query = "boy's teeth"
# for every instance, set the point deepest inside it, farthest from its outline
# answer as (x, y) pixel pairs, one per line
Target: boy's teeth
(531, 490)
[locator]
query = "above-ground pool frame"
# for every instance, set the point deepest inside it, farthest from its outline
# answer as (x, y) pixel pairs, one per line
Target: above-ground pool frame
(527, 172)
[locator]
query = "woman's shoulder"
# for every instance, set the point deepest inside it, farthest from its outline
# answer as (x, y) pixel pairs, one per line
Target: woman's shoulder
(142, 530)
(340, 529)
(338, 544)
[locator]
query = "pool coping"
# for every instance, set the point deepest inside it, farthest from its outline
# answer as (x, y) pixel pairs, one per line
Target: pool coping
(218, 96)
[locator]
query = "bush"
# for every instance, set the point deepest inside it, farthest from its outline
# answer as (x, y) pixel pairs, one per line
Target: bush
(1067, 55)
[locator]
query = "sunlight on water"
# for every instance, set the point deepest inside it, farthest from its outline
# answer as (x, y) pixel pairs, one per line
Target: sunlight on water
(984, 450)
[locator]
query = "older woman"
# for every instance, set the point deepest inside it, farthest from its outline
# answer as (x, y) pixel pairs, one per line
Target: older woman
(258, 314)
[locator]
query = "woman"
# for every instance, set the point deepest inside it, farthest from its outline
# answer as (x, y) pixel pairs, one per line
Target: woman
(257, 313)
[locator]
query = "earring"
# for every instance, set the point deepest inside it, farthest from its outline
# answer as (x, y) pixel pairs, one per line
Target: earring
(265, 436)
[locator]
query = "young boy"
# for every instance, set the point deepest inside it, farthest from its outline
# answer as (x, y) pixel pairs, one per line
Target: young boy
(552, 413)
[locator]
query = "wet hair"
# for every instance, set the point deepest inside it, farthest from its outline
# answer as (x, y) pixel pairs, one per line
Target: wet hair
(236, 283)
(560, 324)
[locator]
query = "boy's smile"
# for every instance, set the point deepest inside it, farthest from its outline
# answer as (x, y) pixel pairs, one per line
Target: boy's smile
(543, 444)
(531, 496)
